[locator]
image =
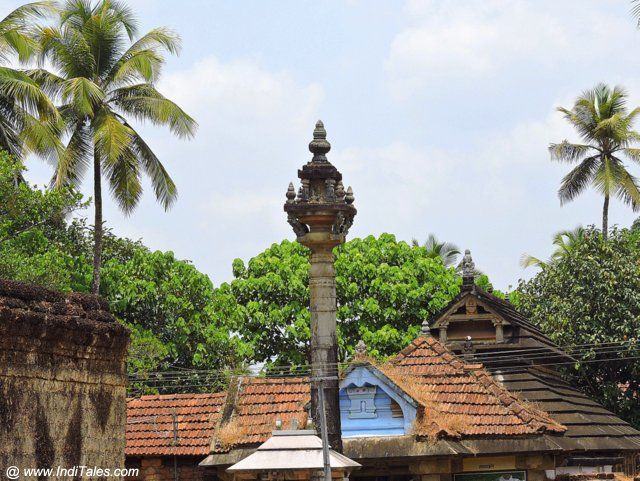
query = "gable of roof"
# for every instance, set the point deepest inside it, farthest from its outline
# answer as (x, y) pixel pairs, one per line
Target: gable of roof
(500, 307)
(150, 424)
(361, 374)
(462, 400)
(454, 400)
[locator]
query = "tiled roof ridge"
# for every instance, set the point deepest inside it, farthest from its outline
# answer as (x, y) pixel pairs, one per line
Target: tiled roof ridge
(413, 345)
(538, 420)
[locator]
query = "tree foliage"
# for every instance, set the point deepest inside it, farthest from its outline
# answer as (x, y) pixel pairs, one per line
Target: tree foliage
(385, 289)
(170, 303)
(27, 115)
(591, 296)
(33, 243)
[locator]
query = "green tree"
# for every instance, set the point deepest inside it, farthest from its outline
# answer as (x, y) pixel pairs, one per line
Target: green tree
(169, 305)
(446, 251)
(32, 220)
(28, 118)
(102, 77)
(591, 296)
(564, 242)
(603, 121)
(385, 289)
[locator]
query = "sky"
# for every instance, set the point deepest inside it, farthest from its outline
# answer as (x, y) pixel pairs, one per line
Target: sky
(439, 113)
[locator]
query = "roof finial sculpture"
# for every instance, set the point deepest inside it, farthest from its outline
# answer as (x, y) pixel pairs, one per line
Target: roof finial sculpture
(468, 269)
(426, 331)
(319, 146)
(361, 350)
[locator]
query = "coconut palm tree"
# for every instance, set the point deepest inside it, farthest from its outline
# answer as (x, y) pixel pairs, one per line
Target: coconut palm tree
(103, 77)
(565, 241)
(26, 113)
(447, 251)
(601, 118)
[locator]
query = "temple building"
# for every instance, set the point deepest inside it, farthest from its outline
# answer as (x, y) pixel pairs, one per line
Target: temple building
(476, 397)
(433, 413)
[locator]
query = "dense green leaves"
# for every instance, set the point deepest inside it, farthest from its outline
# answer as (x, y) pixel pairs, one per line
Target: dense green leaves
(385, 289)
(32, 230)
(591, 295)
(171, 300)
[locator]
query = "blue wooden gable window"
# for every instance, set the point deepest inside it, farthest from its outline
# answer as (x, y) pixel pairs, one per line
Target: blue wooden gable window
(372, 405)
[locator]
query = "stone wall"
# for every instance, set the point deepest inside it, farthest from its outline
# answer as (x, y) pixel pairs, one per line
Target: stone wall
(62, 381)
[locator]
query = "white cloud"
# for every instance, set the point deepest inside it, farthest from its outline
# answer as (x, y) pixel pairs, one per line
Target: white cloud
(242, 91)
(458, 44)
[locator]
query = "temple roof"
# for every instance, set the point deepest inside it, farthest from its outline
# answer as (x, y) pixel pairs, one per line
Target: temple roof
(456, 401)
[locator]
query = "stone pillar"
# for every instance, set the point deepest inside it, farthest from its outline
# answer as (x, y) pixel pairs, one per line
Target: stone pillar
(321, 214)
(499, 330)
(443, 333)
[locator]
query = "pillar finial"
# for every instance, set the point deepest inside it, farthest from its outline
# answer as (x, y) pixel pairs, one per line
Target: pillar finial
(319, 146)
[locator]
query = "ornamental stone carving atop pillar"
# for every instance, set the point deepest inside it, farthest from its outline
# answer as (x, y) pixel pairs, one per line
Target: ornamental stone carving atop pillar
(321, 213)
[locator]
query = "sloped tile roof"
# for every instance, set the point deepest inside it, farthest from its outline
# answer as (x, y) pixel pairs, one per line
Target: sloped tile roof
(462, 400)
(258, 403)
(150, 430)
(456, 400)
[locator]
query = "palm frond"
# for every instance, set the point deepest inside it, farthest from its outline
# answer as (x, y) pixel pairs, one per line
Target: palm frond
(145, 103)
(577, 180)
(124, 180)
(82, 94)
(14, 36)
(142, 65)
(568, 152)
(50, 83)
(530, 261)
(23, 90)
(633, 153)
(163, 186)
(627, 189)
(110, 136)
(67, 50)
(76, 158)
(606, 176)
(143, 60)
(41, 137)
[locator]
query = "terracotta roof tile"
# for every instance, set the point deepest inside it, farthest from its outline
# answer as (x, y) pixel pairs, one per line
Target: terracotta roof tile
(462, 400)
(456, 400)
(150, 424)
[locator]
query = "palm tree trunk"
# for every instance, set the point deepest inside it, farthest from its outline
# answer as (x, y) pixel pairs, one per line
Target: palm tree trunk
(97, 229)
(605, 217)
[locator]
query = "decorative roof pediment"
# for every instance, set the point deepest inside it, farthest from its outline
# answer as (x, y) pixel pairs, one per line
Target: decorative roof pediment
(466, 306)
(371, 404)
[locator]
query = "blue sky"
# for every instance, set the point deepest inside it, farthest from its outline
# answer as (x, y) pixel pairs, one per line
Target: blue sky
(439, 113)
